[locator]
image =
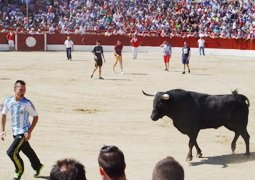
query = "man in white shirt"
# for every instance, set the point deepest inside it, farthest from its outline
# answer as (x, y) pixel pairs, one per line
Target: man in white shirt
(69, 47)
(201, 45)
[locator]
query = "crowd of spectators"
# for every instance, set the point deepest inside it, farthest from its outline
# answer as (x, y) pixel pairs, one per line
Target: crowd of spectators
(167, 18)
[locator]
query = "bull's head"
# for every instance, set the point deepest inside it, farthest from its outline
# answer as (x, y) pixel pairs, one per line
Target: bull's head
(159, 104)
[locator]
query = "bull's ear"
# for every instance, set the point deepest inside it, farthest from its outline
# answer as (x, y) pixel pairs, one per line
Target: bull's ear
(165, 96)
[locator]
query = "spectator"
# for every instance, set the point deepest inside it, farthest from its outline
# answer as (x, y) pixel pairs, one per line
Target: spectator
(108, 33)
(51, 29)
(32, 31)
(112, 163)
(168, 169)
(68, 169)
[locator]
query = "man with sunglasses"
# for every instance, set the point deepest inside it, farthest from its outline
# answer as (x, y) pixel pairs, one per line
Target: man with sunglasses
(20, 109)
(111, 163)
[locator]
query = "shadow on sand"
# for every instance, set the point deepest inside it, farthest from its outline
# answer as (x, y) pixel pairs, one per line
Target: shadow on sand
(111, 79)
(224, 160)
(137, 74)
(192, 73)
(43, 177)
(200, 74)
(4, 79)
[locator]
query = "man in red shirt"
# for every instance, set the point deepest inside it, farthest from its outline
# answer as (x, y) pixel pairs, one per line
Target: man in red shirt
(135, 43)
(10, 38)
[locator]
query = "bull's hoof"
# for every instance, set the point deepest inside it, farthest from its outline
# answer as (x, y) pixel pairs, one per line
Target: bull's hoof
(233, 148)
(199, 155)
(189, 158)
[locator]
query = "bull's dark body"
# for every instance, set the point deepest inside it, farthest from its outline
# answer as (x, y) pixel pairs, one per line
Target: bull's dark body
(192, 111)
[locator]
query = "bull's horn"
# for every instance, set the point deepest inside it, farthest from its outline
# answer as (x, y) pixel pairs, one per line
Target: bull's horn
(165, 96)
(146, 94)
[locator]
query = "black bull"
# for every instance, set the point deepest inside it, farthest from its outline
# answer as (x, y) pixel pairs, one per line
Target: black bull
(192, 111)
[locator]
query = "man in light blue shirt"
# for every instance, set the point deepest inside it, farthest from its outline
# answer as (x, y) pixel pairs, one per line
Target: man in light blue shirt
(20, 108)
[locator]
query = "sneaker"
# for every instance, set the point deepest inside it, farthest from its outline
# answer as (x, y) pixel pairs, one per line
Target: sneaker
(91, 76)
(122, 73)
(101, 78)
(38, 171)
(17, 176)
(189, 70)
(183, 72)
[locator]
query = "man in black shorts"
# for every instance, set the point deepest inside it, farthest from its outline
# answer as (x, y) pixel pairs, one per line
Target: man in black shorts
(98, 55)
(185, 56)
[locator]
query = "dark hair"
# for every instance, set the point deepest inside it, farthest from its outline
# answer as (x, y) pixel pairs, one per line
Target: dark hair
(112, 160)
(168, 169)
(20, 82)
(98, 41)
(68, 169)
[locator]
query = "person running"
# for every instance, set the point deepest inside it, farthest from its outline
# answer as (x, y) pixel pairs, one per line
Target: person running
(69, 47)
(186, 57)
(118, 55)
(98, 56)
(167, 51)
(20, 109)
(10, 38)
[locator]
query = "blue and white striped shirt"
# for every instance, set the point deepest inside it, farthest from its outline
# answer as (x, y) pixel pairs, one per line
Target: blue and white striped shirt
(20, 111)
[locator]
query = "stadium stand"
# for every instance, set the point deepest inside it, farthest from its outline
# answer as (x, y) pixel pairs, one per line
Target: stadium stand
(165, 18)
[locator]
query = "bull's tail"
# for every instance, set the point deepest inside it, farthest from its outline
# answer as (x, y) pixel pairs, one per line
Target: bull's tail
(241, 98)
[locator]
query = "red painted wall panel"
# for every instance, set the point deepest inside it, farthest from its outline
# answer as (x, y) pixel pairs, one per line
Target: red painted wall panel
(3, 40)
(28, 42)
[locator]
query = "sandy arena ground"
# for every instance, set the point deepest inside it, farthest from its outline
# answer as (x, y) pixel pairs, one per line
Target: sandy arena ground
(78, 115)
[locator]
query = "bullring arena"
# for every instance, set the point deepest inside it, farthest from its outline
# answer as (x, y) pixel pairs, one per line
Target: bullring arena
(78, 115)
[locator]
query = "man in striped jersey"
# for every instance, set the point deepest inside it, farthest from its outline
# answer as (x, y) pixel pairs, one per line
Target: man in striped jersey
(20, 109)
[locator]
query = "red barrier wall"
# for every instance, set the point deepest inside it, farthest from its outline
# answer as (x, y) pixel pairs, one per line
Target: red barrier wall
(90, 39)
(153, 41)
